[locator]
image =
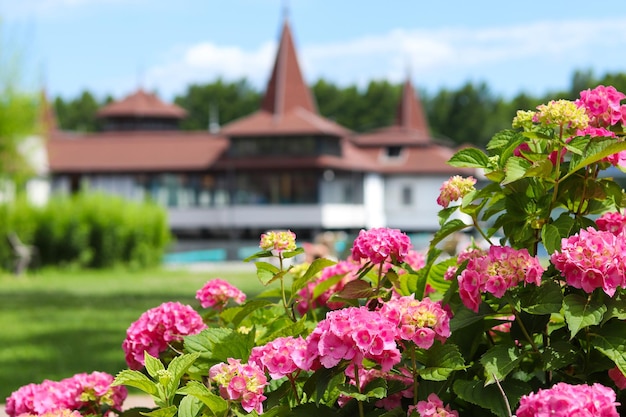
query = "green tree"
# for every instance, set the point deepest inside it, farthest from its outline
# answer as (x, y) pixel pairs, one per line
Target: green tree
(228, 101)
(78, 114)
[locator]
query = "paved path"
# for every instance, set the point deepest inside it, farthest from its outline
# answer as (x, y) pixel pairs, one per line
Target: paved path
(131, 402)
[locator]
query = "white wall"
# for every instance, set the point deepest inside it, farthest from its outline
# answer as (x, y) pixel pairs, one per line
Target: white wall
(374, 199)
(421, 213)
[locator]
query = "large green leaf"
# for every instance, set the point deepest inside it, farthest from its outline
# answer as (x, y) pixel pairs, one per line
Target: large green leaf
(219, 344)
(375, 389)
(137, 380)
(162, 412)
(611, 341)
(440, 361)
(545, 299)
(236, 315)
(266, 272)
(178, 367)
(466, 317)
(515, 169)
(597, 149)
(490, 397)
(581, 312)
(616, 307)
(551, 238)
(153, 365)
(499, 361)
(469, 158)
(558, 355)
(216, 404)
(447, 229)
(189, 407)
(316, 266)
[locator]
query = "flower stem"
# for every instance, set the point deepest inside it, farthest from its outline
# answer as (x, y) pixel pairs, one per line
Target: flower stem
(358, 387)
(524, 331)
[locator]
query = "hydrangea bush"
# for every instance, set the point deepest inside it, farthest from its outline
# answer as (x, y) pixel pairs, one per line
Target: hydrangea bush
(529, 319)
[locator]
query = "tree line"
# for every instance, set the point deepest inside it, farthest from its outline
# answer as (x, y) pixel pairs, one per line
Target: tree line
(467, 115)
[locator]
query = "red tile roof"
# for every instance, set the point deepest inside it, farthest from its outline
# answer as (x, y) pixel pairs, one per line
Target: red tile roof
(288, 106)
(134, 151)
(142, 104)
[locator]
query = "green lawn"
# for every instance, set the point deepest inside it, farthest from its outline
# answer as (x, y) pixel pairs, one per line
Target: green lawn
(54, 324)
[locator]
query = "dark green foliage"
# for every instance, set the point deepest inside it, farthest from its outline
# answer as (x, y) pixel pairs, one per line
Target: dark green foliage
(87, 230)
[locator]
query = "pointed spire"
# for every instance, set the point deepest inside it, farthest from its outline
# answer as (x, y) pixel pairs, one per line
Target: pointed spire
(410, 114)
(286, 89)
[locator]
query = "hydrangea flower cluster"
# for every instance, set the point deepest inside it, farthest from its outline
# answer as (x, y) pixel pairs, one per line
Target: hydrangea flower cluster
(278, 241)
(495, 272)
(240, 382)
(602, 105)
(353, 334)
(593, 259)
(216, 293)
(419, 321)
(381, 244)
(454, 188)
(307, 301)
(613, 222)
(277, 356)
(569, 400)
(56, 413)
(432, 407)
(562, 113)
(157, 328)
(89, 392)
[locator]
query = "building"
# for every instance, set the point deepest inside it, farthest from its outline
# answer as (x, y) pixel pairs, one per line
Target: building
(284, 166)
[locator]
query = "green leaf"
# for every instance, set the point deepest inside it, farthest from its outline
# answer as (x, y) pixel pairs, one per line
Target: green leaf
(610, 340)
(266, 272)
(558, 355)
(218, 344)
(162, 412)
(469, 158)
(316, 266)
(446, 230)
(293, 329)
(292, 253)
(551, 238)
(598, 148)
(581, 312)
(189, 407)
(137, 380)
(356, 289)
(541, 169)
(490, 397)
(545, 299)
(515, 169)
(216, 404)
(153, 365)
(260, 254)
(616, 308)
(236, 315)
(440, 361)
(499, 361)
(178, 367)
(375, 389)
(466, 317)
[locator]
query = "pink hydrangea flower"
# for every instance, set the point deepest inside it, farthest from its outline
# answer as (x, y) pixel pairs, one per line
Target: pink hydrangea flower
(602, 105)
(432, 407)
(593, 259)
(569, 400)
(495, 272)
(347, 269)
(64, 412)
(278, 241)
(381, 244)
(216, 293)
(277, 356)
(157, 328)
(352, 334)
(240, 382)
(618, 377)
(454, 188)
(90, 392)
(419, 321)
(613, 222)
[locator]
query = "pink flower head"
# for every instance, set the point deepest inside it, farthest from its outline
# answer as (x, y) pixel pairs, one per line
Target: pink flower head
(569, 400)
(156, 328)
(216, 293)
(278, 241)
(454, 188)
(495, 272)
(593, 259)
(91, 392)
(347, 269)
(613, 222)
(419, 321)
(277, 356)
(240, 382)
(352, 334)
(380, 244)
(602, 105)
(433, 407)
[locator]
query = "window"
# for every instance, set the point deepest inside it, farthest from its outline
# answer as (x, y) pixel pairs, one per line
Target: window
(394, 151)
(407, 195)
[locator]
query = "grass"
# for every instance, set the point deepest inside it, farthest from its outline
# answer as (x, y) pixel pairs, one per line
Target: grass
(54, 324)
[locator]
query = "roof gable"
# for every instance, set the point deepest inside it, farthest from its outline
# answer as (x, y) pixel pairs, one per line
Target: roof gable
(142, 104)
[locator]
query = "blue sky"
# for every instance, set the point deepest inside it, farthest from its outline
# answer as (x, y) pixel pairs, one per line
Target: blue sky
(115, 46)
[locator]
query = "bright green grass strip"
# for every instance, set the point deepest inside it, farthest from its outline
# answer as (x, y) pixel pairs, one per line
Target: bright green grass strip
(54, 324)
